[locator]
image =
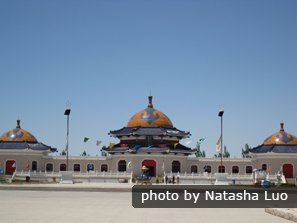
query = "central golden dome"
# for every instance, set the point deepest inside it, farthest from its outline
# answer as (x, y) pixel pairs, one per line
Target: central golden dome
(18, 135)
(281, 138)
(150, 117)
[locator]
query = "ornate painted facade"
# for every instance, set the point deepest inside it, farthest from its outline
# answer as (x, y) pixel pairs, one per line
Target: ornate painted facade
(149, 131)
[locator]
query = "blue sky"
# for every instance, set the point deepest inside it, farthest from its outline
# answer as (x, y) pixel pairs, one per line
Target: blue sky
(107, 56)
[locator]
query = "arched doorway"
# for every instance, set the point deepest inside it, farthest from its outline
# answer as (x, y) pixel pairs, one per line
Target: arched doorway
(194, 169)
(235, 169)
(10, 167)
(248, 169)
(151, 165)
(288, 170)
(76, 167)
(34, 165)
(122, 166)
(207, 169)
(221, 169)
(90, 167)
(49, 167)
(175, 166)
(104, 168)
(63, 167)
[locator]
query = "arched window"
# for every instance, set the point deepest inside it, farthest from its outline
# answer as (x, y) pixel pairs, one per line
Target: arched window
(248, 169)
(122, 166)
(34, 165)
(194, 169)
(221, 169)
(175, 166)
(49, 167)
(235, 169)
(104, 168)
(264, 167)
(76, 167)
(207, 169)
(62, 167)
(90, 167)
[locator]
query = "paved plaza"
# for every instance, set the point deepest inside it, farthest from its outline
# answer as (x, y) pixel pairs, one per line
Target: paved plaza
(78, 207)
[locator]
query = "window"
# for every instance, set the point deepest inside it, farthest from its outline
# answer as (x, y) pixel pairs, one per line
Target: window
(63, 167)
(221, 169)
(104, 168)
(235, 169)
(207, 169)
(90, 167)
(194, 169)
(34, 165)
(248, 169)
(122, 167)
(175, 166)
(264, 167)
(76, 167)
(49, 167)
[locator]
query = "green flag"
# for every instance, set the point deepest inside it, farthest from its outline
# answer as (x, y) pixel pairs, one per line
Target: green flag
(86, 139)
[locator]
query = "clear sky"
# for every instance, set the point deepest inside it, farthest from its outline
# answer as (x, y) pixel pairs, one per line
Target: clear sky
(107, 56)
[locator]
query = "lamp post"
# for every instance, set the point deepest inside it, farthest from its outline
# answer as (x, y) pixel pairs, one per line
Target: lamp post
(67, 113)
(221, 112)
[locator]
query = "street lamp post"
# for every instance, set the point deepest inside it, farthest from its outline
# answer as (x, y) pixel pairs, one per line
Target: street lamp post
(67, 113)
(221, 112)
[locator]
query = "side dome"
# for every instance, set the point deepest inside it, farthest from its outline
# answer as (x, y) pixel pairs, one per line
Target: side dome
(150, 117)
(18, 135)
(281, 138)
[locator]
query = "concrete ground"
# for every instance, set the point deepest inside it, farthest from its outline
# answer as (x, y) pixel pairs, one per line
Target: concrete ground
(63, 206)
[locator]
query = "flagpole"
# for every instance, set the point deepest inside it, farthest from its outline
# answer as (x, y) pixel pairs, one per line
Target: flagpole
(221, 112)
(222, 141)
(67, 113)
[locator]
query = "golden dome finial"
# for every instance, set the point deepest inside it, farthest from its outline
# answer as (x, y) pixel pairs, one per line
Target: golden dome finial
(150, 117)
(282, 127)
(281, 137)
(18, 123)
(150, 99)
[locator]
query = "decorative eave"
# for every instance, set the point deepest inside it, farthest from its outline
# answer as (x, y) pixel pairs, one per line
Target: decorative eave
(150, 149)
(149, 131)
(38, 146)
(274, 148)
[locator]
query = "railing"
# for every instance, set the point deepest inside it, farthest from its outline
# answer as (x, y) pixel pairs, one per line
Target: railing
(96, 176)
(208, 175)
(77, 175)
(102, 174)
(90, 173)
(36, 173)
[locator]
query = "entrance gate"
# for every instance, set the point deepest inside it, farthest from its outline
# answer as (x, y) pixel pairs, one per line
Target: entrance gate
(10, 167)
(288, 170)
(151, 165)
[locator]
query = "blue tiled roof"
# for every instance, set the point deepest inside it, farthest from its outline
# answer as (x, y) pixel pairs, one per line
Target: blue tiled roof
(26, 145)
(274, 148)
(153, 149)
(152, 131)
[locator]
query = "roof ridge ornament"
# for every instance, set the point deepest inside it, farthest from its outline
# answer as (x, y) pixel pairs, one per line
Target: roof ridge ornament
(150, 104)
(18, 126)
(282, 127)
